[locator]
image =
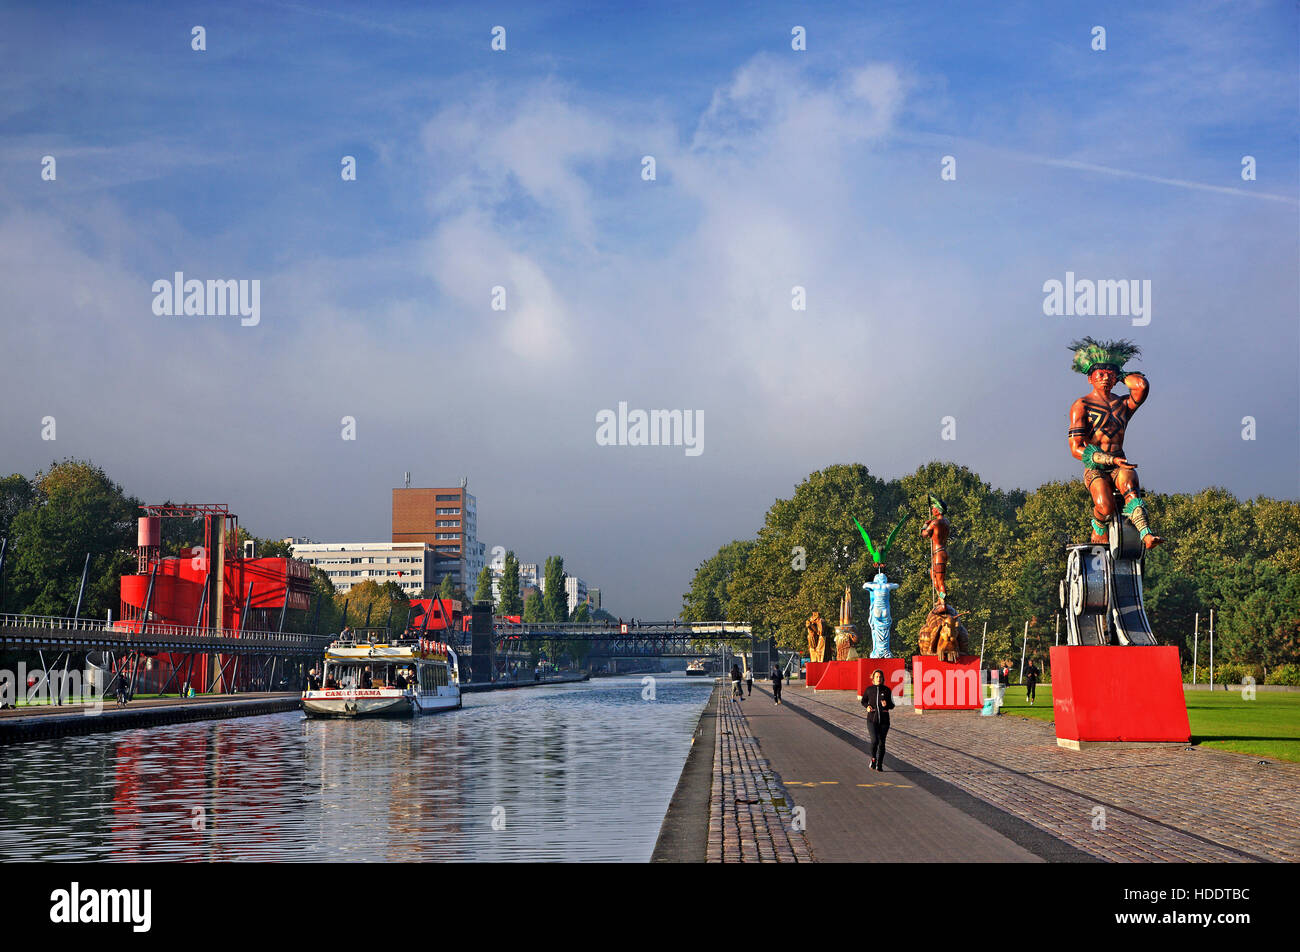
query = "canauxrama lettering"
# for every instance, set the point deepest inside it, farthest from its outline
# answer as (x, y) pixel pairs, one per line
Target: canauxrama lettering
(77, 905)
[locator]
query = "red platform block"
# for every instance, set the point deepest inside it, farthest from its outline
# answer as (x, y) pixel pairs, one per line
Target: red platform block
(1118, 694)
(838, 676)
(946, 685)
(813, 671)
(894, 670)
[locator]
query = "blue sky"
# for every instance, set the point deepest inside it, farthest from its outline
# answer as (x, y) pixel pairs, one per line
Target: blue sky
(521, 168)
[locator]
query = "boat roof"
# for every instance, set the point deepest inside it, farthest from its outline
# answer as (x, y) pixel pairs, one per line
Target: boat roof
(366, 651)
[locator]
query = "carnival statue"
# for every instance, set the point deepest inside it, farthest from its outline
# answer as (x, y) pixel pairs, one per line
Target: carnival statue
(816, 629)
(846, 633)
(936, 530)
(943, 633)
(1101, 593)
(881, 618)
(1097, 424)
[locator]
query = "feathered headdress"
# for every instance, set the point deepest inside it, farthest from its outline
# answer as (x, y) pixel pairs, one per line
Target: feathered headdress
(1089, 354)
(937, 503)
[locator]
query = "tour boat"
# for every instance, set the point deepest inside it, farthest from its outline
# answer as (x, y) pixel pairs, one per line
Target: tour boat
(365, 676)
(699, 667)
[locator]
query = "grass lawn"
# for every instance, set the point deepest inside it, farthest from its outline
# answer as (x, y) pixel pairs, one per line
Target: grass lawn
(1267, 727)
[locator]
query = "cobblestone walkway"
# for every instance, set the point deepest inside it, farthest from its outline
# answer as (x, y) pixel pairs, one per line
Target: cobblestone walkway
(750, 819)
(1123, 804)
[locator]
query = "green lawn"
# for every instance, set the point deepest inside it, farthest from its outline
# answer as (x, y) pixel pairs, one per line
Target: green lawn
(1267, 727)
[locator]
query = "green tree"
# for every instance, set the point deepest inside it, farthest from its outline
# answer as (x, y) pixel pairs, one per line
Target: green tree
(582, 613)
(709, 598)
(556, 596)
(533, 613)
(510, 602)
(77, 510)
(16, 495)
(448, 587)
(483, 589)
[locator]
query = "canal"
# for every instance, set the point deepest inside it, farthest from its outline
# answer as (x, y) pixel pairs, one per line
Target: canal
(563, 773)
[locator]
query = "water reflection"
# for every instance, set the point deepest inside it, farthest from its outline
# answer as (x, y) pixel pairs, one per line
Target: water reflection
(574, 772)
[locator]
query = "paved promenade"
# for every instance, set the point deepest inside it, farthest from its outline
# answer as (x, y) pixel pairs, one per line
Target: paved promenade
(1122, 805)
(750, 815)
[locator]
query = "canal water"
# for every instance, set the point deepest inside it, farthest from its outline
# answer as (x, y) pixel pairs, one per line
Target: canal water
(570, 772)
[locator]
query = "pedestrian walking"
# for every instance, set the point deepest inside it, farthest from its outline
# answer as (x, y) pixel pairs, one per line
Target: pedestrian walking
(749, 682)
(736, 691)
(1031, 680)
(775, 675)
(879, 701)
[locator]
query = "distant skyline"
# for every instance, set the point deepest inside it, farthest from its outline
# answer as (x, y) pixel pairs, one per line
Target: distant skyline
(502, 274)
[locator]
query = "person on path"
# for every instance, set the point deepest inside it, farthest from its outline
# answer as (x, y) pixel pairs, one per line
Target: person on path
(879, 701)
(1031, 680)
(776, 683)
(749, 682)
(736, 692)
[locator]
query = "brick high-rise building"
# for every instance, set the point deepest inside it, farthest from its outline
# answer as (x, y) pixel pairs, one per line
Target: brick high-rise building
(447, 519)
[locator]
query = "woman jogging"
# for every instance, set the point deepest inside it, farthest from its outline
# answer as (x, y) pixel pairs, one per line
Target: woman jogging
(879, 701)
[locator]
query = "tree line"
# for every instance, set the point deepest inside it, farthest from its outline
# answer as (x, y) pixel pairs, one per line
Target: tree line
(1006, 556)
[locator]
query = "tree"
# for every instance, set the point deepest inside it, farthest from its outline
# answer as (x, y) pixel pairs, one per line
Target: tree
(379, 600)
(582, 613)
(448, 587)
(533, 613)
(709, 598)
(509, 602)
(16, 495)
(556, 595)
(483, 590)
(77, 510)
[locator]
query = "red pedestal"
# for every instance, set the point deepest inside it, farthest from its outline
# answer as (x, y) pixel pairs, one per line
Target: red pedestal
(894, 670)
(838, 676)
(946, 685)
(813, 671)
(1114, 694)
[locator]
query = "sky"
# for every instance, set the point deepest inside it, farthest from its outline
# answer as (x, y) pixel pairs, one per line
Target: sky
(525, 169)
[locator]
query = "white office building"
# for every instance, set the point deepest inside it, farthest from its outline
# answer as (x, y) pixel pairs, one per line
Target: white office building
(412, 565)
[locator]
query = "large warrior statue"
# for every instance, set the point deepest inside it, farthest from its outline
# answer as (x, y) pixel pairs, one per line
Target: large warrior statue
(1097, 424)
(936, 530)
(1102, 589)
(943, 633)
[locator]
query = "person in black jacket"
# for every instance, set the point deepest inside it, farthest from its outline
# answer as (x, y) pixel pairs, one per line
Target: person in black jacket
(736, 692)
(879, 701)
(776, 683)
(1031, 680)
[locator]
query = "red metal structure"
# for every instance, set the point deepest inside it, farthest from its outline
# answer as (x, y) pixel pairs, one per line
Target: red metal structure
(211, 587)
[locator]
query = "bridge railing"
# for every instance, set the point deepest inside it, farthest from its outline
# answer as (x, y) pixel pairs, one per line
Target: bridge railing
(145, 631)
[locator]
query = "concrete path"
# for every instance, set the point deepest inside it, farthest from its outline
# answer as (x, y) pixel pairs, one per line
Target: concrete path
(854, 814)
(1123, 804)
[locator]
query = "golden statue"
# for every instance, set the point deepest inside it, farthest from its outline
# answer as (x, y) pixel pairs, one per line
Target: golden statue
(846, 635)
(816, 629)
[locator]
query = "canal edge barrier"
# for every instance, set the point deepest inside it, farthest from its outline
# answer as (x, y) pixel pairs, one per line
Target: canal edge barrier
(17, 730)
(684, 832)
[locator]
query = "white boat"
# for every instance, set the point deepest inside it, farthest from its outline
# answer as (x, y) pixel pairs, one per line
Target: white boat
(365, 677)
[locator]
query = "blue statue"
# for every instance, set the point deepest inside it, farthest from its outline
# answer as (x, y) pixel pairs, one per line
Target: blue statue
(881, 619)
